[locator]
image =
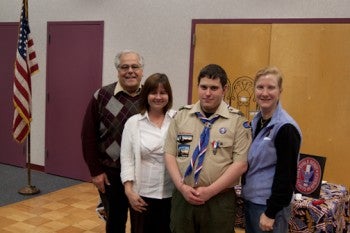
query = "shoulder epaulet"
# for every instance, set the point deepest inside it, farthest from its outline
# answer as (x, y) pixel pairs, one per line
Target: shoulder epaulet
(234, 110)
(172, 113)
(185, 107)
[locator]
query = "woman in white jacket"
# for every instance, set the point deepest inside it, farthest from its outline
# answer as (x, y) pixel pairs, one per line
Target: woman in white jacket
(147, 183)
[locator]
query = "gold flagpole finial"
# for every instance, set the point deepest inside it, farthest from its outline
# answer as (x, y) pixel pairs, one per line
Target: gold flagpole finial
(25, 3)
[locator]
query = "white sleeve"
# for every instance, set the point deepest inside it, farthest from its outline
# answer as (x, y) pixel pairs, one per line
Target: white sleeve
(127, 154)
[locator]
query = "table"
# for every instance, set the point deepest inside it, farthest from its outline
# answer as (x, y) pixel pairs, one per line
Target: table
(308, 216)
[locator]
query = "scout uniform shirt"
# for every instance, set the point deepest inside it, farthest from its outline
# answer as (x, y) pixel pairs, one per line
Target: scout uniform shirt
(230, 138)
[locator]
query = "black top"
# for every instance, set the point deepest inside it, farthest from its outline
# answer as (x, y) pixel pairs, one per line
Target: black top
(287, 145)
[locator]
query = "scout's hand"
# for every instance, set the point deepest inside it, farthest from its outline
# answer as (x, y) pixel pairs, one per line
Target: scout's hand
(191, 195)
(204, 193)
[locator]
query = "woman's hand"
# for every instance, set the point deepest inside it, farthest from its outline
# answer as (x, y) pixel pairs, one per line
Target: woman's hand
(136, 202)
(266, 223)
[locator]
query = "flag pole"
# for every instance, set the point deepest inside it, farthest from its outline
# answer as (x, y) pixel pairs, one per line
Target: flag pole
(25, 66)
(29, 189)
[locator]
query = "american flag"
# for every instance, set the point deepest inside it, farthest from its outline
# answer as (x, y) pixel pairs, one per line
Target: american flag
(25, 66)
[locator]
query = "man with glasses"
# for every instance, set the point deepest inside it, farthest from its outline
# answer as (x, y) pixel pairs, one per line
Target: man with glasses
(101, 135)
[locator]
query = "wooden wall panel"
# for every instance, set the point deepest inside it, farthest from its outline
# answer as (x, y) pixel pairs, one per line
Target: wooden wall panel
(239, 49)
(315, 61)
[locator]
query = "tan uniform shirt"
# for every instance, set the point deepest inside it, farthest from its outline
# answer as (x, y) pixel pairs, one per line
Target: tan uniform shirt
(231, 133)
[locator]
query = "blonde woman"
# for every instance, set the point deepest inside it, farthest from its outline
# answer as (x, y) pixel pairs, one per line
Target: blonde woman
(270, 180)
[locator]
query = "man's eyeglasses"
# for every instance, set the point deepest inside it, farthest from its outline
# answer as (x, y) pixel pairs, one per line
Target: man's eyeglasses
(134, 67)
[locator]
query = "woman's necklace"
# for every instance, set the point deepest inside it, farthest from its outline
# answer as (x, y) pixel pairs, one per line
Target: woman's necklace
(263, 122)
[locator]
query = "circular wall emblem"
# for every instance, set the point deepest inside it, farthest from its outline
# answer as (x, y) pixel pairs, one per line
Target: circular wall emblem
(309, 175)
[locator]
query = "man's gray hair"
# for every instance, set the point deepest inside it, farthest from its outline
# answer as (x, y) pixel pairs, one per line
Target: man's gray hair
(126, 51)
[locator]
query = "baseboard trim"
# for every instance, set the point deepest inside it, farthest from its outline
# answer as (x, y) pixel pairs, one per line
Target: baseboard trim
(36, 167)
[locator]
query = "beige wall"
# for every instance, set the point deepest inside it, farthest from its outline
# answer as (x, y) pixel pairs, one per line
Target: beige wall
(315, 60)
(161, 31)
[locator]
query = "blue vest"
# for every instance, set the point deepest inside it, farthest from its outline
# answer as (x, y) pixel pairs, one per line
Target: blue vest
(262, 157)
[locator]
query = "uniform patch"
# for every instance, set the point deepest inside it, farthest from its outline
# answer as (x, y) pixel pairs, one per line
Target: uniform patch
(183, 150)
(222, 130)
(184, 138)
(247, 125)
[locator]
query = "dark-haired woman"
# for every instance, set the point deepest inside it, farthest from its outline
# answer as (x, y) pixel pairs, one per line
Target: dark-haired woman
(147, 183)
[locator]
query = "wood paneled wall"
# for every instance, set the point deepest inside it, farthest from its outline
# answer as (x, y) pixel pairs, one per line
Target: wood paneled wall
(315, 61)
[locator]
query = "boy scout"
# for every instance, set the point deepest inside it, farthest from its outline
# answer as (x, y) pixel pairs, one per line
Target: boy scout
(206, 153)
